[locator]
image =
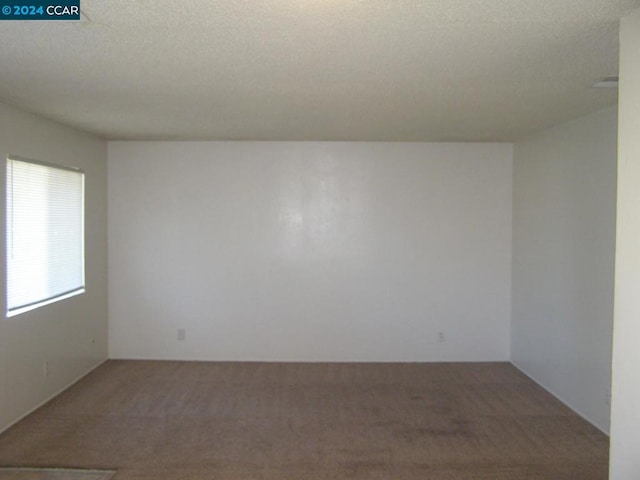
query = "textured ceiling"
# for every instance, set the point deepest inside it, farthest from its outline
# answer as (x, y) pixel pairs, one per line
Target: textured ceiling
(392, 70)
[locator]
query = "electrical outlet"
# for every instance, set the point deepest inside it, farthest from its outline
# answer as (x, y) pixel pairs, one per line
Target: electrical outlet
(182, 334)
(45, 369)
(441, 337)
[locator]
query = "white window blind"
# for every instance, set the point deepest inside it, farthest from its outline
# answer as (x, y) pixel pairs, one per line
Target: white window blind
(45, 233)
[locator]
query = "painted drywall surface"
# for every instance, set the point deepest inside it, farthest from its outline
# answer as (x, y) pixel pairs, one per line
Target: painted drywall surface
(625, 406)
(563, 250)
(309, 251)
(71, 334)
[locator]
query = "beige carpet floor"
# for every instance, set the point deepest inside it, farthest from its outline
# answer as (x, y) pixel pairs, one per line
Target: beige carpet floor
(268, 421)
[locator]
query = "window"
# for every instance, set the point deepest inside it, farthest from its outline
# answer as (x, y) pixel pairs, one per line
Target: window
(45, 234)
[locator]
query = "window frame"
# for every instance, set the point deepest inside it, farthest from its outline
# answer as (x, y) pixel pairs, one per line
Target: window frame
(63, 295)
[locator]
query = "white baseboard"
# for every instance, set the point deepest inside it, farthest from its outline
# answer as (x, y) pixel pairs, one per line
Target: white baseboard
(51, 397)
(575, 410)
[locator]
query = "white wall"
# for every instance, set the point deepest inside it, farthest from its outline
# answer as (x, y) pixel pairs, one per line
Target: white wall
(62, 333)
(625, 407)
(563, 250)
(309, 251)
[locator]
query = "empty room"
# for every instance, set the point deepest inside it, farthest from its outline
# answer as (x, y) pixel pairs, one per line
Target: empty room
(320, 239)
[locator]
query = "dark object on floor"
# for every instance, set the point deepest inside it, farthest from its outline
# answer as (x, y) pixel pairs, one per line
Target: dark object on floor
(53, 474)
